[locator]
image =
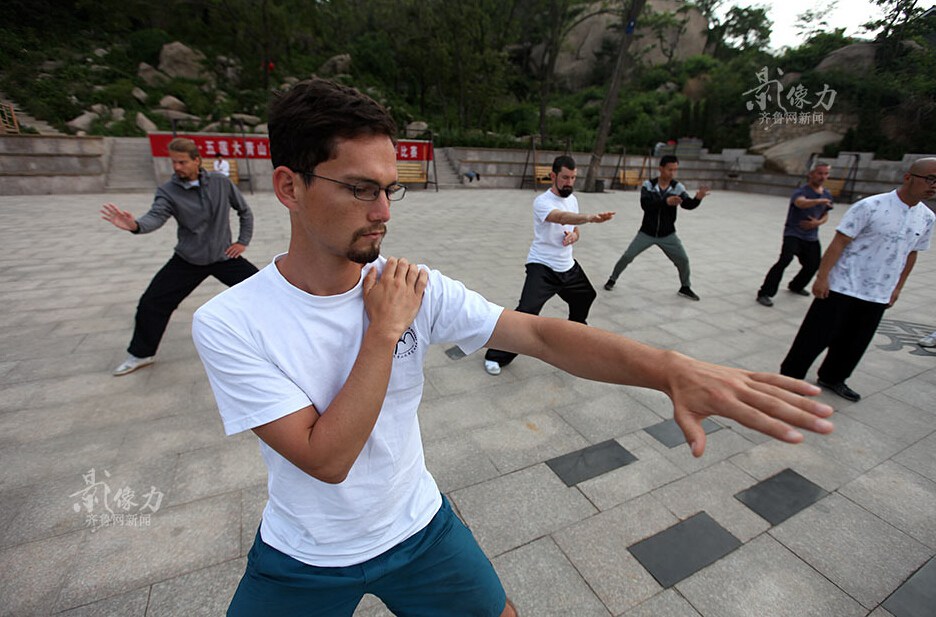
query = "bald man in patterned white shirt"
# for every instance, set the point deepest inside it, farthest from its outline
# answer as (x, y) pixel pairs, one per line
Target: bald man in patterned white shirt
(861, 275)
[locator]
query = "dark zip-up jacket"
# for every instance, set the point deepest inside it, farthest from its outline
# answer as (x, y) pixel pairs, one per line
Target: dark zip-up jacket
(202, 213)
(659, 219)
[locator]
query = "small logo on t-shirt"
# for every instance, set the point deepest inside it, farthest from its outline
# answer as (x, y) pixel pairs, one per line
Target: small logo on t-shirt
(407, 344)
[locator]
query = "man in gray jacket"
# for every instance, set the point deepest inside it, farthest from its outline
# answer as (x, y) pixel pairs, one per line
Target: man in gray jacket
(199, 202)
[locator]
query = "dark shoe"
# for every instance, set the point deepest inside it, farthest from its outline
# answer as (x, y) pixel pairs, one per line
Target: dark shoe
(799, 292)
(686, 292)
(842, 390)
(764, 301)
(609, 285)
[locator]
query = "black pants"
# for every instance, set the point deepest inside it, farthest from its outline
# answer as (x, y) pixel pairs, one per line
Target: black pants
(541, 284)
(809, 254)
(172, 284)
(842, 323)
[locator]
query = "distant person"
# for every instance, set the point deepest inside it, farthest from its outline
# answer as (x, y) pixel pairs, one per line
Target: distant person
(550, 267)
(861, 274)
(201, 203)
(809, 209)
(221, 166)
(660, 199)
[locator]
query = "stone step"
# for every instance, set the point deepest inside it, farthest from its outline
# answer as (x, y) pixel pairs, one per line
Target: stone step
(131, 165)
(25, 120)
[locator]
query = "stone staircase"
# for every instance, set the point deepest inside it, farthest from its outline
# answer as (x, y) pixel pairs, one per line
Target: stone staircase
(131, 166)
(447, 168)
(25, 120)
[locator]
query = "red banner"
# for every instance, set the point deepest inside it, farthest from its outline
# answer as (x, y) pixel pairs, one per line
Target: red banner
(414, 150)
(209, 146)
(259, 147)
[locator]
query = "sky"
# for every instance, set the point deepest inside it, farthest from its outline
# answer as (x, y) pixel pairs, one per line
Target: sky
(849, 14)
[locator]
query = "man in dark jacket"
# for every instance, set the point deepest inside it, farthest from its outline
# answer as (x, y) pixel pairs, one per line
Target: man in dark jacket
(201, 203)
(660, 198)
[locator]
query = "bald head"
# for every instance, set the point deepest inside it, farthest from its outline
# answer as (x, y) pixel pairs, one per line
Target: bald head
(919, 182)
(924, 166)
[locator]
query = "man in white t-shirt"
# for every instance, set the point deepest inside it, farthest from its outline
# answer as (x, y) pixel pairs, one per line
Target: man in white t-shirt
(861, 275)
(550, 267)
(320, 354)
(222, 166)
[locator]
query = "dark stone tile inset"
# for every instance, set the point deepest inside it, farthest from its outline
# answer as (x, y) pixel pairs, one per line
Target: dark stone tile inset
(684, 549)
(455, 353)
(917, 596)
(670, 435)
(590, 462)
(781, 496)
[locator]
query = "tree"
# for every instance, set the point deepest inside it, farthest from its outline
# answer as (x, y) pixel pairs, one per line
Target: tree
(614, 90)
(811, 22)
(744, 29)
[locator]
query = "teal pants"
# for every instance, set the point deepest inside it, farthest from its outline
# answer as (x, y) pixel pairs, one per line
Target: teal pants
(671, 247)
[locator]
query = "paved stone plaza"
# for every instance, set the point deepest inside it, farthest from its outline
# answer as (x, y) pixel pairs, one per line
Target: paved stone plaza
(186, 500)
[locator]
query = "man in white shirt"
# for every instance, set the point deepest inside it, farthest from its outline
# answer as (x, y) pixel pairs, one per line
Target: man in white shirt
(222, 166)
(320, 354)
(550, 267)
(861, 275)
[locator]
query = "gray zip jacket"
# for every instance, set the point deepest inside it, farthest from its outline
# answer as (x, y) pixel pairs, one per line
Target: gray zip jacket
(202, 213)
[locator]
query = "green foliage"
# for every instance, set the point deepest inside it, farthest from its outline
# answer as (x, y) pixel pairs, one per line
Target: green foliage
(480, 73)
(145, 45)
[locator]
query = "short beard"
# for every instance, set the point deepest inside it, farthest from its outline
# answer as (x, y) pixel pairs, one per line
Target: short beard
(366, 255)
(564, 192)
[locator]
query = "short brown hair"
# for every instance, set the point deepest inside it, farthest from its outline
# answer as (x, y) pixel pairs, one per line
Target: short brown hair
(186, 146)
(306, 122)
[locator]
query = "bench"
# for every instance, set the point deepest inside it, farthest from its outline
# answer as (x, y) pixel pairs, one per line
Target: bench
(542, 174)
(409, 172)
(208, 165)
(630, 177)
(834, 186)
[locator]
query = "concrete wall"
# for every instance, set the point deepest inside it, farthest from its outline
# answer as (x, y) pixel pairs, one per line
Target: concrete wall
(45, 164)
(49, 164)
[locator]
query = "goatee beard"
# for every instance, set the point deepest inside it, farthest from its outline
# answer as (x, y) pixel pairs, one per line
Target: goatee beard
(565, 192)
(370, 253)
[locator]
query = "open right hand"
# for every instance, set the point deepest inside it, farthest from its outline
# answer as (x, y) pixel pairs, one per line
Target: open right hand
(393, 300)
(120, 219)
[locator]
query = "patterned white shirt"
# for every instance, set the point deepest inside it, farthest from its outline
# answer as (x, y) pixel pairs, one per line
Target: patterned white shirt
(884, 231)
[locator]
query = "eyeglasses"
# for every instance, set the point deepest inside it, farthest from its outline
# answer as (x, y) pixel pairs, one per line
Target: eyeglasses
(930, 180)
(365, 191)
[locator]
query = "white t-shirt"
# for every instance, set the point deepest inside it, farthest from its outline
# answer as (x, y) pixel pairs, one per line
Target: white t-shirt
(884, 231)
(222, 166)
(271, 349)
(547, 246)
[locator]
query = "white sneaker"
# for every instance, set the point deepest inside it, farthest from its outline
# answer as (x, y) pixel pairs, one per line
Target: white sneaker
(132, 363)
(492, 367)
(928, 341)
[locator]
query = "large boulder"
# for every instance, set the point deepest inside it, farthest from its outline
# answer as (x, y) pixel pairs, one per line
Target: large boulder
(151, 76)
(857, 59)
(172, 114)
(336, 65)
(245, 118)
(83, 122)
(171, 102)
(145, 124)
(792, 155)
(179, 60)
(416, 128)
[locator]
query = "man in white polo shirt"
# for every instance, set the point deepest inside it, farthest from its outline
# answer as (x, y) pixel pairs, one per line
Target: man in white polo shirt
(861, 275)
(550, 267)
